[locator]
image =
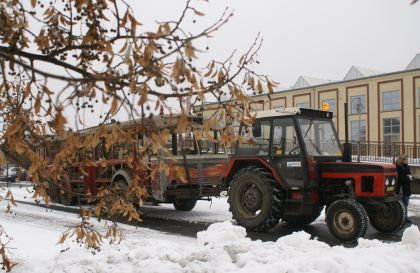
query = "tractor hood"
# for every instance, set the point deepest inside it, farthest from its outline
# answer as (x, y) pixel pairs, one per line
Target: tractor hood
(353, 167)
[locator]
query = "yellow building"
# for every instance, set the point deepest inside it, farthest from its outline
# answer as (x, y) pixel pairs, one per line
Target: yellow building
(383, 107)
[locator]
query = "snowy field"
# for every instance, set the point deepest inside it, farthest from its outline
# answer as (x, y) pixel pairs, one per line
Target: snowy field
(223, 247)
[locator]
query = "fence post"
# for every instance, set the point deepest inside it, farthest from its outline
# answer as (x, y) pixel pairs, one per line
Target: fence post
(358, 151)
(393, 152)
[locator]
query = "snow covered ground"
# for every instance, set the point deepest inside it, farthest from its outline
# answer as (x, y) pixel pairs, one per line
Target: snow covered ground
(223, 247)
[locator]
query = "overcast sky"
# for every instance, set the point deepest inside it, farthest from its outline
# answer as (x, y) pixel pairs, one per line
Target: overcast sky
(321, 39)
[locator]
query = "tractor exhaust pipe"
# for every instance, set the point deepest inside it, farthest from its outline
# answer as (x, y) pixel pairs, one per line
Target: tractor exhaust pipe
(347, 145)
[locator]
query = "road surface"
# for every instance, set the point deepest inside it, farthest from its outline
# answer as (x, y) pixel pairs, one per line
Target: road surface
(154, 217)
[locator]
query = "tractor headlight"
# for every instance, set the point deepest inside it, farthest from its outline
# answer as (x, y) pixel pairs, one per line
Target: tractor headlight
(393, 181)
(387, 182)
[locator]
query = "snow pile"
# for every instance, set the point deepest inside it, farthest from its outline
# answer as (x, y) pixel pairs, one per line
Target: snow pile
(222, 234)
(225, 248)
(411, 235)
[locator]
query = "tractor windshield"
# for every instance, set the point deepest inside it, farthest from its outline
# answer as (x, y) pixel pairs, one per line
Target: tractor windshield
(319, 137)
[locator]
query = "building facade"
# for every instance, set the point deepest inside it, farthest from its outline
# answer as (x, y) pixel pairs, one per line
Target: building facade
(382, 107)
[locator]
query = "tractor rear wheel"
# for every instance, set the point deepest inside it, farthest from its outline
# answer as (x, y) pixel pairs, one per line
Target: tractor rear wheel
(347, 220)
(254, 199)
(390, 219)
(299, 221)
(184, 204)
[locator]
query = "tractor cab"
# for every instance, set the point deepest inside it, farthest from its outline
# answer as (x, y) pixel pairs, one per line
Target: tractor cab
(293, 140)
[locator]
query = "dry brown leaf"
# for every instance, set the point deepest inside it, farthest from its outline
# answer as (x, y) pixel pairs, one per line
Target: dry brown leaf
(114, 105)
(37, 104)
(220, 76)
(27, 91)
(190, 50)
(2, 159)
(259, 87)
(198, 13)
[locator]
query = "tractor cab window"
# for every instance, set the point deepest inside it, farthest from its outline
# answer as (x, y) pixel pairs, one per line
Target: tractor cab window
(284, 138)
(255, 139)
(319, 137)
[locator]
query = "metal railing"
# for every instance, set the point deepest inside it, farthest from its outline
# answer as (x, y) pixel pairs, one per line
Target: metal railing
(385, 151)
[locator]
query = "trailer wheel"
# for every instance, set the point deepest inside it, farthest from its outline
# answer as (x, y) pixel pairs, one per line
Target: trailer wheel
(121, 183)
(390, 219)
(254, 199)
(298, 221)
(347, 220)
(184, 204)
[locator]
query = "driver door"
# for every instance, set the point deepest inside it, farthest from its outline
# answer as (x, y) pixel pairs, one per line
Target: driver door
(286, 152)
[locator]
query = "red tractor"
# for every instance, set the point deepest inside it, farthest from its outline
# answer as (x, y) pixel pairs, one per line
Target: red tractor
(291, 165)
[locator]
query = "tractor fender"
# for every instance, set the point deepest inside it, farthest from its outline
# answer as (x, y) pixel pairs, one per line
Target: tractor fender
(124, 173)
(238, 163)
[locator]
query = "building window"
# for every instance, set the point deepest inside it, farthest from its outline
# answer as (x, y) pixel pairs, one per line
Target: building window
(391, 100)
(391, 129)
(302, 104)
(358, 105)
(358, 130)
(332, 104)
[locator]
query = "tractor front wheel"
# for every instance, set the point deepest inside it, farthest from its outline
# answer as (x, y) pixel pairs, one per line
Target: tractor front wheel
(254, 199)
(347, 220)
(390, 218)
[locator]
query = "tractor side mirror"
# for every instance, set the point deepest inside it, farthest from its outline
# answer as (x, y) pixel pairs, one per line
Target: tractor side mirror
(256, 129)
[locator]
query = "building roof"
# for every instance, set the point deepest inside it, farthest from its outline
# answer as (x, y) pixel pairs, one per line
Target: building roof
(415, 62)
(360, 73)
(357, 72)
(305, 81)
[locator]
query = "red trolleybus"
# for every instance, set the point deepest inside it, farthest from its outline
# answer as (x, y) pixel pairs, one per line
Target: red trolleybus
(195, 167)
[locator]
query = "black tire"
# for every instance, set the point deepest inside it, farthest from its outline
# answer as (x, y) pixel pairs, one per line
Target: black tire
(121, 183)
(347, 220)
(390, 219)
(184, 204)
(254, 199)
(300, 221)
